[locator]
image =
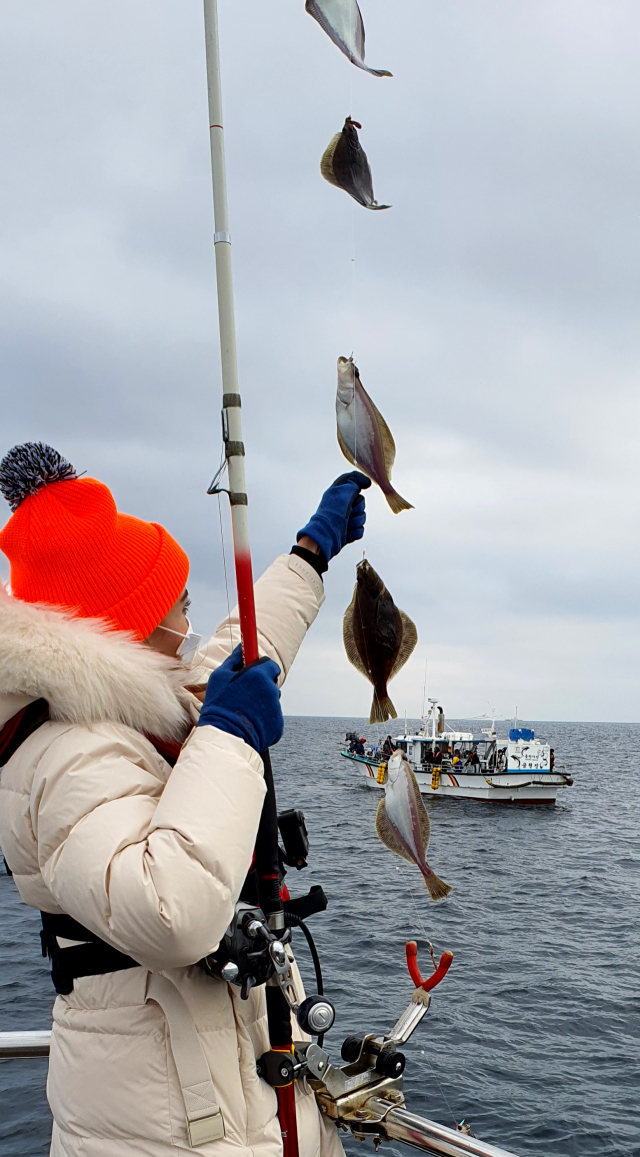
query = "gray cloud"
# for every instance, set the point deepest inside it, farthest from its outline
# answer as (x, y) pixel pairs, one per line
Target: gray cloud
(493, 311)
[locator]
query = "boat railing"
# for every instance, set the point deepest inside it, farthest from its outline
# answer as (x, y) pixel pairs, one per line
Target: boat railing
(16, 1046)
(396, 1124)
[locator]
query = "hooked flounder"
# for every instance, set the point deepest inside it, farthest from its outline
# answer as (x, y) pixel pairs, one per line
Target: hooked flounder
(363, 435)
(402, 822)
(344, 164)
(378, 637)
(342, 22)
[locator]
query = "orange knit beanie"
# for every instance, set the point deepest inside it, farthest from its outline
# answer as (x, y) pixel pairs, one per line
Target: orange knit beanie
(68, 545)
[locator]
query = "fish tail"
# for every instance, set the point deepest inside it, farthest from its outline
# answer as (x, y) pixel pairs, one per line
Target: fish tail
(382, 709)
(396, 502)
(436, 887)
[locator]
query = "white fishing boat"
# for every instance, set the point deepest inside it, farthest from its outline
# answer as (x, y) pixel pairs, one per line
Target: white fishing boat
(517, 769)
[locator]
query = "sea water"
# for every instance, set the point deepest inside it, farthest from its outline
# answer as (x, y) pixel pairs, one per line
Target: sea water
(534, 1035)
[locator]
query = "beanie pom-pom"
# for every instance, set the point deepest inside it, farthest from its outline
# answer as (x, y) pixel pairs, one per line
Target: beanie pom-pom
(29, 467)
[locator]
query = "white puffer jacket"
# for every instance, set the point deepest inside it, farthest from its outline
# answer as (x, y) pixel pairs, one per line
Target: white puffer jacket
(95, 823)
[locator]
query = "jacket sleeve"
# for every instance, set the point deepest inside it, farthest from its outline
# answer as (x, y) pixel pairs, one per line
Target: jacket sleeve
(288, 597)
(155, 869)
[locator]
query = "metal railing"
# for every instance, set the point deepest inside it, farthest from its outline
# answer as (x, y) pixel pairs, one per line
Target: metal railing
(397, 1125)
(430, 1137)
(19, 1045)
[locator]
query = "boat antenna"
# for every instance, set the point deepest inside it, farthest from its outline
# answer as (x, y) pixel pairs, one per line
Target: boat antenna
(424, 689)
(267, 858)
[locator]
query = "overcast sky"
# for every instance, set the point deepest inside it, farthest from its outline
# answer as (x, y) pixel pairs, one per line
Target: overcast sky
(493, 312)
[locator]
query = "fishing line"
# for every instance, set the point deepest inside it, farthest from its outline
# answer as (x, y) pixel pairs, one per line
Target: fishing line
(442, 1092)
(419, 922)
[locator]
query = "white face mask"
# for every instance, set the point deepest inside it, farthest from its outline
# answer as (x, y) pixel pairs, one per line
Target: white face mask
(189, 646)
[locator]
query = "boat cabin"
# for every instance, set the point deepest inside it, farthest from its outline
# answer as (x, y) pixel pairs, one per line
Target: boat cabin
(461, 751)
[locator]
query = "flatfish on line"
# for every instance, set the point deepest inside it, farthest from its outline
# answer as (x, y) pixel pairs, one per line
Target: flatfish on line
(342, 21)
(363, 435)
(378, 638)
(344, 164)
(402, 822)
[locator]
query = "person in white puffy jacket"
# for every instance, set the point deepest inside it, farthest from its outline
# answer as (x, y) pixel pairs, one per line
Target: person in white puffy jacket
(130, 796)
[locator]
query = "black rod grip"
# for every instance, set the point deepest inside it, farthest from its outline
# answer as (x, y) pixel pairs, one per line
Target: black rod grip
(267, 853)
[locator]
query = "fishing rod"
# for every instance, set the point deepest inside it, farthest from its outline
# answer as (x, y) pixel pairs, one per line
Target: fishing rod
(280, 999)
(364, 1096)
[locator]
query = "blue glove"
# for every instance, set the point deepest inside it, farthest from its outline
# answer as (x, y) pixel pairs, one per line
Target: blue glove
(245, 701)
(340, 517)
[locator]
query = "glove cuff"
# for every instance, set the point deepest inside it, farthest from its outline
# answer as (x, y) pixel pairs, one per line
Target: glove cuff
(233, 723)
(320, 529)
(317, 561)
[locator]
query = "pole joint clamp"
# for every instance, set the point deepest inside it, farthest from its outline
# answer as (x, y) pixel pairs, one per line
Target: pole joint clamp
(222, 236)
(233, 449)
(237, 499)
(231, 400)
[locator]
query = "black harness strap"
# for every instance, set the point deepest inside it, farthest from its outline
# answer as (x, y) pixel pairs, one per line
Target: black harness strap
(91, 957)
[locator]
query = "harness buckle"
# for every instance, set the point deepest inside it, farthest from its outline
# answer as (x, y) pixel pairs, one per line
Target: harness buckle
(205, 1129)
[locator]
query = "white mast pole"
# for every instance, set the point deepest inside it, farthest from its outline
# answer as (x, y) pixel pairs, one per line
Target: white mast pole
(234, 446)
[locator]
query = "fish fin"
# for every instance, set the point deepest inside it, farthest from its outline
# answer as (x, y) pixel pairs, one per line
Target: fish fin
(407, 646)
(382, 709)
(375, 72)
(436, 887)
(386, 833)
(396, 502)
(349, 639)
(422, 813)
(376, 206)
(386, 437)
(326, 163)
(345, 449)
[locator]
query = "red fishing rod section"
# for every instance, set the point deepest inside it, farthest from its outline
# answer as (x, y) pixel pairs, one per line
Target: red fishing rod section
(267, 856)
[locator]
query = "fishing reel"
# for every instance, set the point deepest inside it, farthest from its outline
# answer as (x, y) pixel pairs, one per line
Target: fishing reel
(250, 954)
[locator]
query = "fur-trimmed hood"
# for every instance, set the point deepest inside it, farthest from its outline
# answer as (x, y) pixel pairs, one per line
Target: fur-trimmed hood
(86, 672)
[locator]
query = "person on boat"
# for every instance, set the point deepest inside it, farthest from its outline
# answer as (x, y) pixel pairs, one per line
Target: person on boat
(387, 747)
(360, 746)
(131, 791)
